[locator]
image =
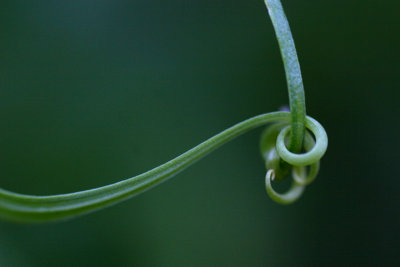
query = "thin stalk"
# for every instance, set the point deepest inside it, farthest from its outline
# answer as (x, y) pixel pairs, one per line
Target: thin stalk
(293, 73)
(28, 208)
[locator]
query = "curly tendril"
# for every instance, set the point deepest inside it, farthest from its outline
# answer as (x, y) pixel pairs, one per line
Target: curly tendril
(274, 151)
(288, 130)
(279, 159)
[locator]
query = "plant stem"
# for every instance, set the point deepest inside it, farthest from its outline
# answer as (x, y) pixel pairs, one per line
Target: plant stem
(27, 208)
(293, 73)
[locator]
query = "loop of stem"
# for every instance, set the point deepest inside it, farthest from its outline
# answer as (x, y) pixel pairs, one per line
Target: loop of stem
(314, 151)
(299, 121)
(294, 193)
(309, 157)
(29, 208)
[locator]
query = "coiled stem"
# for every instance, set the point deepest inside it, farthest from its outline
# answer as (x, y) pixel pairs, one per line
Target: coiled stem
(279, 159)
(274, 149)
(27, 208)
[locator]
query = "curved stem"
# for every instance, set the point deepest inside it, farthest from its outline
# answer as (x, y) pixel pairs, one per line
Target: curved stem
(28, 208)
(293, 73)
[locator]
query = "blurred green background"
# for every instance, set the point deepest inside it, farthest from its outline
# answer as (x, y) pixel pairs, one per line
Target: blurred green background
(93, 92)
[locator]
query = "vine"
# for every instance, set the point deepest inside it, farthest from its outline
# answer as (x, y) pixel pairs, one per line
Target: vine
(279, 160)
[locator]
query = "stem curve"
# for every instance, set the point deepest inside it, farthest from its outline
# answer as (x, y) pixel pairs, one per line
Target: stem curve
(28, 208)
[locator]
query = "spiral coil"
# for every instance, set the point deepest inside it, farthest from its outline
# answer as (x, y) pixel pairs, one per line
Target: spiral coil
(280, 162)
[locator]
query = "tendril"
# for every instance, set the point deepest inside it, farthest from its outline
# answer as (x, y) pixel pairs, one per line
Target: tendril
(280, 161)
(274, 150)
(28, 208)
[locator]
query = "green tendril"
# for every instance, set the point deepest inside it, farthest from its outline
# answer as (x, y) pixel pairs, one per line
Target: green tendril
(279, 160)
(293, 73)
(274, 149)
(26, 208)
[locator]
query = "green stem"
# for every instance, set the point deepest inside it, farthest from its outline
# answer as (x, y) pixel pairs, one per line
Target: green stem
(293, 73)
(27, 208)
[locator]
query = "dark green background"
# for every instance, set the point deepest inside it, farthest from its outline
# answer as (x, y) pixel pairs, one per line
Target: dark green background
(92, 92)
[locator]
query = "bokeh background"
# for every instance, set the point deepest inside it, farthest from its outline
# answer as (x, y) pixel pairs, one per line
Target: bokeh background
(93, 92)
